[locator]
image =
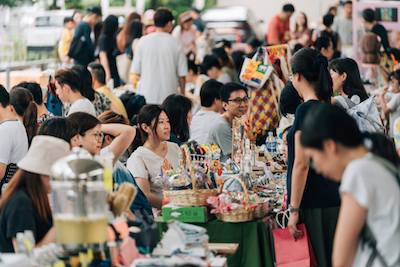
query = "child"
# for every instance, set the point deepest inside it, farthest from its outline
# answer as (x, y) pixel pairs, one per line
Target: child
(391, 103)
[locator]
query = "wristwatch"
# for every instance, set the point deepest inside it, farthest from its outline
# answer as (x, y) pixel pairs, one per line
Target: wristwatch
(293, 209)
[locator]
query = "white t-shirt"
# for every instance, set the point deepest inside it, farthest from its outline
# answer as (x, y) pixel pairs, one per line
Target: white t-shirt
(82, 105)
(375, 189)
(394, 106)
(144, 163)
(13, 142)
(160, 61)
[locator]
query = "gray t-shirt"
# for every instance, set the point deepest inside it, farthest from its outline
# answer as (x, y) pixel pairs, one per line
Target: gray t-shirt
(376, 189)
(145, 164)
(160, 61)
(221, 134)
(82, 105)
(344, 27)
(202, 124)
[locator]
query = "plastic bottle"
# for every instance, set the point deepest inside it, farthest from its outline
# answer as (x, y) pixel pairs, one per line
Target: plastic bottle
(271, 143)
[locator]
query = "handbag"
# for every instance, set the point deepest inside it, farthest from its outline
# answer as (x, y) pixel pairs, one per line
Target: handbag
(290, 252)
(264, 108)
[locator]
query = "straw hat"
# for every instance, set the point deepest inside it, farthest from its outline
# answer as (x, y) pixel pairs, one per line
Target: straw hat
(185, 16)
(43, 153)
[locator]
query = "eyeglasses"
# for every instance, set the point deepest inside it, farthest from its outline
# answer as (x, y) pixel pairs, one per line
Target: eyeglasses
(239, 100)
(98, 135)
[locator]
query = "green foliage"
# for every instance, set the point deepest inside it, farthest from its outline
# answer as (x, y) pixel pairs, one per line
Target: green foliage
(12, 3)
(73, 4)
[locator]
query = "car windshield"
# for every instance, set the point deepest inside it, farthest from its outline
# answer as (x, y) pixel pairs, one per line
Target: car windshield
(49, 21)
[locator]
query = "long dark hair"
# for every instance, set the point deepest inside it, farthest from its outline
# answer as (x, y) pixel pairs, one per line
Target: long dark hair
(85, 78)
(32, 184)
(382, 146)
(353, 84)
(77, 79)
(147, 115)
(314, 68)
(24, 105)
(110, 26)
(305, 26)
(134, 30)
(177, 108)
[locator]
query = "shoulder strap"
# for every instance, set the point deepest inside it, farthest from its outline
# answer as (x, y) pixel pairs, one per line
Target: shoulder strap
(367, 237)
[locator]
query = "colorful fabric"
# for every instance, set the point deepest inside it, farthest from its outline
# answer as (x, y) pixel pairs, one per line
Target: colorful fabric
(264, 109)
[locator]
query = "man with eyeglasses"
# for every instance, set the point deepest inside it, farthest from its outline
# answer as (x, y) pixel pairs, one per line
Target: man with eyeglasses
(235, 103)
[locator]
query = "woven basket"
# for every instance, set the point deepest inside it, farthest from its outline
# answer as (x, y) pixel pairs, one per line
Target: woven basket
(239, 215)
(242, 215)
(189, 197)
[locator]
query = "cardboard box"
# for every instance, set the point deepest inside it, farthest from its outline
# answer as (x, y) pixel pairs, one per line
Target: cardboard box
(185, 214)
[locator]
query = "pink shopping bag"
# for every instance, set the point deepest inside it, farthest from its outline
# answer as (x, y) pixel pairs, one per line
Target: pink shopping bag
(290, 252)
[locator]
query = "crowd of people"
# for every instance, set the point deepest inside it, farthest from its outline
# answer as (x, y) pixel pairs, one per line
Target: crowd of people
(340, 180)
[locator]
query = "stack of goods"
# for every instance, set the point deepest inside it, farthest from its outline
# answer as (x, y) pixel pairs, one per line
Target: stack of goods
(236, 204)
(272, 187)
(197, 178)
(183, 238)
(182, 245)
(275, 162)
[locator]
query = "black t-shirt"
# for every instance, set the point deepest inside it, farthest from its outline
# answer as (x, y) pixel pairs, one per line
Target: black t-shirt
(109, 46)
(83, 32)
(319, 192)
(17, 216)
(380, 30)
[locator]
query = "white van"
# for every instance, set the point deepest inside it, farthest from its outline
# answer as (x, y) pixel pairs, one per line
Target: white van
(46, 30)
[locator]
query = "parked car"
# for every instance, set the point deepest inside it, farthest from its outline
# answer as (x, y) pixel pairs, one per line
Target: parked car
(46, 30)
(236, 24)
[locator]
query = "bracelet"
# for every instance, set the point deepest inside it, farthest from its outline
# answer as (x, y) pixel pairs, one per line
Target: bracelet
(293, 209)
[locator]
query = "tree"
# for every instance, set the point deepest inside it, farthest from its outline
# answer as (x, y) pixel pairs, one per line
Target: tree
(12, 3)
(73, 4)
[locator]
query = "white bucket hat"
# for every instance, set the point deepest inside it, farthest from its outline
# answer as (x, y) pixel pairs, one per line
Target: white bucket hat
(43, 153)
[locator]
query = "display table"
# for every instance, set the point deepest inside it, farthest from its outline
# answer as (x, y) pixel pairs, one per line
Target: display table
(253, 239)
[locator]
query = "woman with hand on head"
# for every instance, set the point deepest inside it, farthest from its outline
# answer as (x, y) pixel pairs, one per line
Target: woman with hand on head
(91, 134)
(312, 199)
(157, 153)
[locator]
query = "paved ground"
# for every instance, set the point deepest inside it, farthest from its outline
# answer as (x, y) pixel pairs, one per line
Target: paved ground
(35, 75)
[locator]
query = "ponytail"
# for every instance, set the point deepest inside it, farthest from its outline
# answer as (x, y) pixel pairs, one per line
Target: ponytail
(85, 79)
(30, 121)
(22, 101)
(324, 88)
(314, 68)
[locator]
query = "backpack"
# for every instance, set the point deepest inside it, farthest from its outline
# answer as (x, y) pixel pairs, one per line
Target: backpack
(367, 116)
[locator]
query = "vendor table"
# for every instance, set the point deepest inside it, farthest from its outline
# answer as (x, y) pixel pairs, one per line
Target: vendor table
(253, 239)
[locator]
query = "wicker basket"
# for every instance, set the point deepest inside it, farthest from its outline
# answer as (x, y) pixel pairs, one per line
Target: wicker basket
(189, 197)
(240, 215)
